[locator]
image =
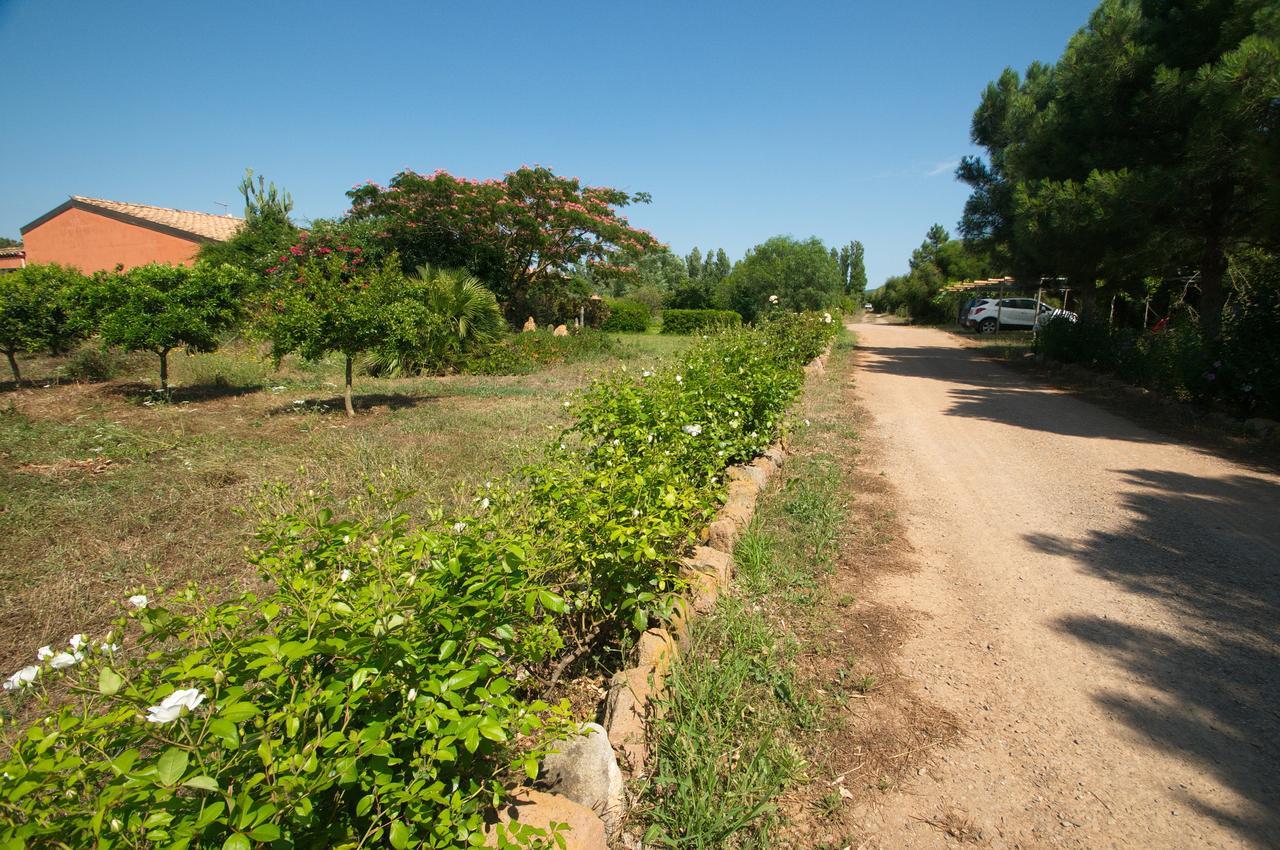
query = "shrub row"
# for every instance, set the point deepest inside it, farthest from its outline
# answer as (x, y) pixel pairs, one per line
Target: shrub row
(389, 684)
(697, 321)
(1239, 370)
(626, 317)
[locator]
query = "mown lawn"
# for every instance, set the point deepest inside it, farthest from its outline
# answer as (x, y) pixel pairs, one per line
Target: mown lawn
(104, 488)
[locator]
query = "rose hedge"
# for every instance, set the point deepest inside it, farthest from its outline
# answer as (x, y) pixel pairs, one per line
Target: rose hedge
(385, 689)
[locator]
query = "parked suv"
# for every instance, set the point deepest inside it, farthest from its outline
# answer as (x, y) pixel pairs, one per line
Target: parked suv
(986, 313)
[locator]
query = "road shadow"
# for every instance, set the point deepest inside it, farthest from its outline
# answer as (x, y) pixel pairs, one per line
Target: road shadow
(994, 393)
(1208, 550)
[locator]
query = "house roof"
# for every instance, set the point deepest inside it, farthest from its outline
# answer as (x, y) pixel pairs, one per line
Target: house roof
(205, 227)
(13, 251)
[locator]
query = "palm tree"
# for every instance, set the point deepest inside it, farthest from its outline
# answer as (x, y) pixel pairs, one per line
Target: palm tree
(444, 314)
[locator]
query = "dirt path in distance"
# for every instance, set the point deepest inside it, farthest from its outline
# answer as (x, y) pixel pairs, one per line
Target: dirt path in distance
(1100, 608)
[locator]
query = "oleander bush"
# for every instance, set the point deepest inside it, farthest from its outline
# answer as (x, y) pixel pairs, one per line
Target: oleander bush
(389, 682)
(696, 321)
(626, 317)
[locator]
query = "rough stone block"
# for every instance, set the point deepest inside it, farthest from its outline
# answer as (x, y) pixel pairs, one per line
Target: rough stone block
(539, 809)
(766, 469)
(678, 622)
(656, 649)
(723, 534)
(625, 713)
(754, 474)
(777, 455)
(712, 562)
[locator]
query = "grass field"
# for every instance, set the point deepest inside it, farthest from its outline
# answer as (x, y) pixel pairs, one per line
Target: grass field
(104, 488)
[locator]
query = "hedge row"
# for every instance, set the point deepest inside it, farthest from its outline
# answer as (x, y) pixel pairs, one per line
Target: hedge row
(696, 321)
(626, 317)
(388, 685)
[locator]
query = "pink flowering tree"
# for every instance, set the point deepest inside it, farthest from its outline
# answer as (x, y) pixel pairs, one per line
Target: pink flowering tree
(328, 295)
(521, 234)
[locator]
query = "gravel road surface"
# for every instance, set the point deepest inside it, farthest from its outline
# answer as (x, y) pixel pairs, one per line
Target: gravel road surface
(1099, 605)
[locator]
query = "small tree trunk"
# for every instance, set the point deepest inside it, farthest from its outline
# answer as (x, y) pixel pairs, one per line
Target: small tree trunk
(1213, 263)
(1213, 270)
(346, 396)
(164, 372)
(13, 366)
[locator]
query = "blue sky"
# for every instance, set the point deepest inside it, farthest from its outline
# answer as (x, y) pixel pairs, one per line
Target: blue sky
(744, 120)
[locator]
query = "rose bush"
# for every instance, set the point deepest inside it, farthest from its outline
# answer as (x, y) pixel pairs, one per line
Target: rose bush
(386, 688)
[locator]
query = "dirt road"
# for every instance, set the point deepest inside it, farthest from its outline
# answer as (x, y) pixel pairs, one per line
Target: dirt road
(1100, 605)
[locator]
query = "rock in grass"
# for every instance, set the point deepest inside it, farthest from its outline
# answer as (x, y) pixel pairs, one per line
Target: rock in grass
(530, 325)
(560, 330)
(586, 771)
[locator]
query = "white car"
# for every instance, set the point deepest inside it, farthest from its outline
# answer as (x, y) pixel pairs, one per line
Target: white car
(987, 313)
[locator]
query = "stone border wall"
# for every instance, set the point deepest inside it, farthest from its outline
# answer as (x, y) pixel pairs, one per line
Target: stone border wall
(584, 782)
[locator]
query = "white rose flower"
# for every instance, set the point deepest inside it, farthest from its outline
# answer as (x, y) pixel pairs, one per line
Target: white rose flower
(345, 575)
(459, 527)
(773, 299)
(679, 380)
(170, 708)
(413, 694)
(44, 653)
(76, 642)
(138, 601)
(108, 647)
(22, 678)
(647, 374)
(484, 503)
(692, 430)
(64, 659)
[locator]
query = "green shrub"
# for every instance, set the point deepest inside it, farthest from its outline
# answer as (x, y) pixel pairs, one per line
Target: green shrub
(93, 363)
(387, 687)
(626, 317)
(696, 321)
(522, 353)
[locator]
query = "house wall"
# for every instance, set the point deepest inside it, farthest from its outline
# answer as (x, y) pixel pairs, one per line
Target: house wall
(10, 263)
(92, 242)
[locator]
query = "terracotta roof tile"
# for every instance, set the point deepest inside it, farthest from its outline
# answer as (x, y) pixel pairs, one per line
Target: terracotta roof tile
(206, 225)
(13, 251)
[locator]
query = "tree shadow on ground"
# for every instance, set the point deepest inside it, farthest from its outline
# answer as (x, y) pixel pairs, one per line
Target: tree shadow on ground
(194, 393)
(366, 402)
(997, 394)
(1208, 550)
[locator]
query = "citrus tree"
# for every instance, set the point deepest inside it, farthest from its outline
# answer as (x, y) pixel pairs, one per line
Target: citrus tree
(158, 308)
(36, 311)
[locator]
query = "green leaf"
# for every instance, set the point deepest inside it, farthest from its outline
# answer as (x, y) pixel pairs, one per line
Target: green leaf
(204, 783)
(447, 648)
(265, 832)
(399, 836)
(238, 712)
(109, 682)
(171, 765)
(237, 842)
(551, 602)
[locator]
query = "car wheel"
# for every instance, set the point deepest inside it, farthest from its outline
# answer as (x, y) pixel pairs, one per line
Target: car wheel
(988, 326)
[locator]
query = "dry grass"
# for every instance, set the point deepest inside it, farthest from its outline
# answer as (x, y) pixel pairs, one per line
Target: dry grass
(104, 489)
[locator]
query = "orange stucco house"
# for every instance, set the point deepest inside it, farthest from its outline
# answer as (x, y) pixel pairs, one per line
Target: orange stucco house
(12, 259)
(95, 235)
